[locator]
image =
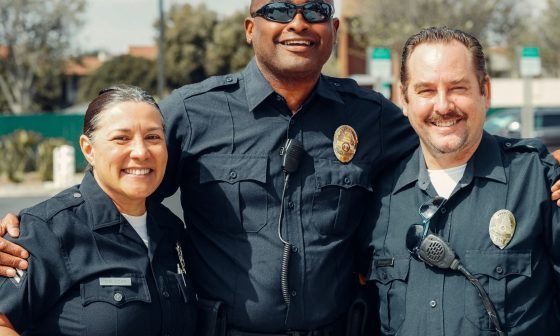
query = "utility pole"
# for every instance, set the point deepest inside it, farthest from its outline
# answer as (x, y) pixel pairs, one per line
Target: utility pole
(161, 52)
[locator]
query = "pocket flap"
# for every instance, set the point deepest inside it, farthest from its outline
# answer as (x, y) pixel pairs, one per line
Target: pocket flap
(384, 272)
(135, 288)
(498, 264)
(232, 168)
(335, 173)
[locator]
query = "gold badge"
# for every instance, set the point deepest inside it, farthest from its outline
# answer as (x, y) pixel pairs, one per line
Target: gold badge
(345, 142)
(502, 227)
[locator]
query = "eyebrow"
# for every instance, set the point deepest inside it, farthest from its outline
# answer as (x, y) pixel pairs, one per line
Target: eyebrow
(151, 129)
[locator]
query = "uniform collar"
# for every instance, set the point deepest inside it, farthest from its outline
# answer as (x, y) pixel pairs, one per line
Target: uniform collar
(486, 163)
(258, 89)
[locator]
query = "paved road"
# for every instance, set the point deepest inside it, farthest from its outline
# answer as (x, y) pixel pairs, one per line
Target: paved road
(18, 203)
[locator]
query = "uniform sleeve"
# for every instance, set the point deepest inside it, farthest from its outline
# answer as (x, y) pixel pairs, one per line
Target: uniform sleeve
(30, 297)
(398, 138)
(177, 129)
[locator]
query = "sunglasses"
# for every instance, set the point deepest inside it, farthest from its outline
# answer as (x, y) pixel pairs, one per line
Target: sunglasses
(284, 12)
(418, 232)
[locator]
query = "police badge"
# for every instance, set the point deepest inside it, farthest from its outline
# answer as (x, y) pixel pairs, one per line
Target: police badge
(501, 228)
(345, 143)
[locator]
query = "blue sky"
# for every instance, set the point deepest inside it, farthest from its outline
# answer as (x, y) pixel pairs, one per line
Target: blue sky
(113, 25)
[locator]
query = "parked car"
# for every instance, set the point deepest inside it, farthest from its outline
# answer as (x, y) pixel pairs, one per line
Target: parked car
(547, 125)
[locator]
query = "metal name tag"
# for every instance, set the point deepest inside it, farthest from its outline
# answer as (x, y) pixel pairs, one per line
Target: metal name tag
(125, 282)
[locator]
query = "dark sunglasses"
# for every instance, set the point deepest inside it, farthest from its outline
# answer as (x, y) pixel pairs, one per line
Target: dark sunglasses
(284, 12)
(417, 232)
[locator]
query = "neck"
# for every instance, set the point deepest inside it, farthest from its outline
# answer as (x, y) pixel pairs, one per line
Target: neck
(446, 160)
(133, 208)
(295, 89)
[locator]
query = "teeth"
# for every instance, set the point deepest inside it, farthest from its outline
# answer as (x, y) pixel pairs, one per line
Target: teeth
(137, 171)
(445, 123)
(306, 43)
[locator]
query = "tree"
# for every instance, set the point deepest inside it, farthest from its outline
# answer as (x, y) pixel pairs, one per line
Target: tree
(228, 51)
(127, 69)
(188, 30)
(35, 34)
(549, 31)
(388, 23)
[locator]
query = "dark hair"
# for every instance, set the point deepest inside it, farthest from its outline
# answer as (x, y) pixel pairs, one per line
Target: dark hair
(444, 34)
(111, 96)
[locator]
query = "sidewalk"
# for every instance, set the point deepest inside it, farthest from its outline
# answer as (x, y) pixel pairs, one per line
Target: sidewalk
(32, 186)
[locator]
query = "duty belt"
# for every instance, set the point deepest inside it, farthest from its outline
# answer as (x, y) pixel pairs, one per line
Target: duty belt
(337, 328)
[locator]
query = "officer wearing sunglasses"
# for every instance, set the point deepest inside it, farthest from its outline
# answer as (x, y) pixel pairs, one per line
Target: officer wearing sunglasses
(226, 139)
(467, 238)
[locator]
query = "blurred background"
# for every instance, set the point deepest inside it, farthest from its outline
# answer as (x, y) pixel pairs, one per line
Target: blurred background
(55, 55)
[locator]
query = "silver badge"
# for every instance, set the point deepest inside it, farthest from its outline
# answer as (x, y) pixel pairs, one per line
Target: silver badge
(502, 227)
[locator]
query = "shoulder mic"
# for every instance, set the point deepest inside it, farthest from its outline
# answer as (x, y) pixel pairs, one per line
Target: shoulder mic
(292, 154)
(437, 253)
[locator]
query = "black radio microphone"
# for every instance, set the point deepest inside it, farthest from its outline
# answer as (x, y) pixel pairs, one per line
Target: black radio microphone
(292, 153)
(435, 252)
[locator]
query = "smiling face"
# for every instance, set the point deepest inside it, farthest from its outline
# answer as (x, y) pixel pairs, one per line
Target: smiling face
(128, 153)
(444, 102)
(294, 50)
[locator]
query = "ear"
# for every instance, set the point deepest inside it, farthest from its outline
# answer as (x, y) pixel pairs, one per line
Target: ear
(403, 99)
(87, 149)
(487, 91)
(249, 23)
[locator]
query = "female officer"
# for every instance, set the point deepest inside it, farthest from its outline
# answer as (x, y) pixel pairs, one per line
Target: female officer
(103, 259)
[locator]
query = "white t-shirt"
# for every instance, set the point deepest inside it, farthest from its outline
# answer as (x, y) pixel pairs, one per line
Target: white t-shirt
(445, 180)
(139, 224)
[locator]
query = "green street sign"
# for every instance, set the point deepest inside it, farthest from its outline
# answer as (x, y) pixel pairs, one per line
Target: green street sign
(530, 52)
(381, 53)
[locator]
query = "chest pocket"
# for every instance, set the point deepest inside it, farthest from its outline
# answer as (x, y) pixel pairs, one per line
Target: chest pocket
(391, 283)
(500, 273)
(236, 185)
(338, 199)
(115, 291)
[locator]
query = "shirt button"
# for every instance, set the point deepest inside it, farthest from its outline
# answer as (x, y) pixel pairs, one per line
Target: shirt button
(118, 297)
(433, 303)
(229, 79)
(291, 205)
(232, 175)
(77, 195)
(347, 180)
(499, 270)
(294, 293)
(279, 98)
(294, 249)
(508, 144)
(292, 121)
(165, 294)
(443, 210)
(383, 275)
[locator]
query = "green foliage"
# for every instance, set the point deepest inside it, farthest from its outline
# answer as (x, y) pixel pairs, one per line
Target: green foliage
(228, 51)
(188, 30)
(18, 150)
(121, 69)
(45, 157)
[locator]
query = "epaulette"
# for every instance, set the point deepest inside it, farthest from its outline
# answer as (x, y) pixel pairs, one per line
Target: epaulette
(528, 145)
(350, 86)
(47, 209)
(208, 84)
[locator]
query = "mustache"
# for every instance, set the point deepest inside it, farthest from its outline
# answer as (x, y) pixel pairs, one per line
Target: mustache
(450, 115)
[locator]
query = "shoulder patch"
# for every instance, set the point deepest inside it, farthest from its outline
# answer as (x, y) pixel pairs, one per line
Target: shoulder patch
(208, 84)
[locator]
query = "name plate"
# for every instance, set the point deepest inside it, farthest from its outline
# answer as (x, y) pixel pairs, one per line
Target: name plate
(125, 282)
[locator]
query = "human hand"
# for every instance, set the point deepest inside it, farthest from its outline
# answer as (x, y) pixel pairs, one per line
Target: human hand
(11, 255)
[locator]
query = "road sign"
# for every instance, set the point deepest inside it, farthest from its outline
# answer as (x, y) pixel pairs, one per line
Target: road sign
(380, 66)
(530, 63)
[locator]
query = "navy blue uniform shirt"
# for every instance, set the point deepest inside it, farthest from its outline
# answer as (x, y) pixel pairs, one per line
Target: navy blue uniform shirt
(521, 279)
(91, 274)
(225, 136)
